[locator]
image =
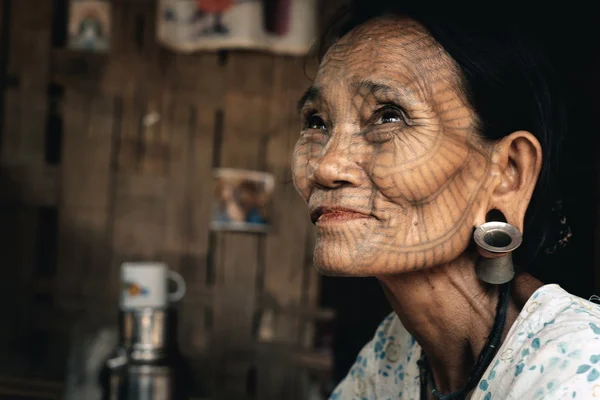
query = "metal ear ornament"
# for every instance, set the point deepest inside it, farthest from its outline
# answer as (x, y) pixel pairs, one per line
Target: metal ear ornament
(495, 243)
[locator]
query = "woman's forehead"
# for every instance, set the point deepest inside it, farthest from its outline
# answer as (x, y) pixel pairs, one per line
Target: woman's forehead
(397, 47)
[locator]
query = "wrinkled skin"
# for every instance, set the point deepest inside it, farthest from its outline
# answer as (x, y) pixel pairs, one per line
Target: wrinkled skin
(396, 176)
(387, 132)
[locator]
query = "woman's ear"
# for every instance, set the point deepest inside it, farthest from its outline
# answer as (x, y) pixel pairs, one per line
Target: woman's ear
(517, 161)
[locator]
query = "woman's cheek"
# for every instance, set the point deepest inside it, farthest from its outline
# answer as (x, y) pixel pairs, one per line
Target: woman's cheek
(417, 179)
(419, 183)
(300, 170)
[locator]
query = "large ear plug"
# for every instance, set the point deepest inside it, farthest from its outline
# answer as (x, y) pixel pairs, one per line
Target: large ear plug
(495, 243)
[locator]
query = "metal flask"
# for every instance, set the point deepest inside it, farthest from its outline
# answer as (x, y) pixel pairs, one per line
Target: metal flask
(145, 365)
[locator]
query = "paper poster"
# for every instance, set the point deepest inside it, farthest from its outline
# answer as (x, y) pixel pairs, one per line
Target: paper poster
(89, 25)
(281, 26)
(241, 200)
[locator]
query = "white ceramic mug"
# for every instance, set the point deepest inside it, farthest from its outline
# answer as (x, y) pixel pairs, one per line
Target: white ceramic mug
(145, 284)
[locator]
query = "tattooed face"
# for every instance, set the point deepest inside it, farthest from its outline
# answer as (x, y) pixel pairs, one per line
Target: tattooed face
(388, 160)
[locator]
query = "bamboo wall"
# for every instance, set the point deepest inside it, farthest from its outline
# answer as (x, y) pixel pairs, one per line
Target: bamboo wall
(88, 183)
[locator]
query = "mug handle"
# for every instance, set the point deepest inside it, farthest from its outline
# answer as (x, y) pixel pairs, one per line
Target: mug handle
(181, 286)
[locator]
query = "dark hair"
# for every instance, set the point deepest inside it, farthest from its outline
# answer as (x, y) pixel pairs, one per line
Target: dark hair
(509, 80)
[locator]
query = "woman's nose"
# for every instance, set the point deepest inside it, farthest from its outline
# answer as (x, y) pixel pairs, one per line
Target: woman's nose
(336, 168)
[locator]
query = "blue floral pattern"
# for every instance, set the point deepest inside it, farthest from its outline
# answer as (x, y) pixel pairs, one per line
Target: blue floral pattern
(552, 351)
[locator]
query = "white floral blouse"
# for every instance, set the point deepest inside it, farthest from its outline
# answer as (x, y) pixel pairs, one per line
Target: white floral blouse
(552, 351)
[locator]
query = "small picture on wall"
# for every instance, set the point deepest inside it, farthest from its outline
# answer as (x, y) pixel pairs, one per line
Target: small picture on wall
(241, 200)
(89, 25)
(280, 26)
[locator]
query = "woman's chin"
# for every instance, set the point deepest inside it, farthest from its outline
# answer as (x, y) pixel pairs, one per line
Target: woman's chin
(330, 270)
(340, 264)
(340, 267)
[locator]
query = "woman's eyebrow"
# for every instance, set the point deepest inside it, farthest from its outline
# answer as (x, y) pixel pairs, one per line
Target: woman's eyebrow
(310, 94)
(397, 93)
(355, 86)
(369, 86)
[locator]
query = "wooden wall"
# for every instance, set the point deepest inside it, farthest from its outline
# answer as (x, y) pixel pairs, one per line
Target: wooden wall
(88, 181)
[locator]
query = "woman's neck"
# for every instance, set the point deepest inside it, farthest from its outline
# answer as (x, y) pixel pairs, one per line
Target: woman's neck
(450, 313)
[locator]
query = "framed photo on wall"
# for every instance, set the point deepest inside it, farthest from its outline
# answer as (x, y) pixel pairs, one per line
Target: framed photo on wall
(241, 200)
(89, 25)
(279, 26)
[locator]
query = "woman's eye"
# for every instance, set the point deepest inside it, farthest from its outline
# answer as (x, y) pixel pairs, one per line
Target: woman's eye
(388, 116)
(315, 122)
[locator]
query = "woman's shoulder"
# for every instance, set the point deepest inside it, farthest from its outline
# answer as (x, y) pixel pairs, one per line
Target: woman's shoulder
(551, 352)
(552, 312)
(385, 367)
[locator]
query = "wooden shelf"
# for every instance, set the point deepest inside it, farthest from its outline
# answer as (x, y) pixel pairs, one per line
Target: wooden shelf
(30, 389)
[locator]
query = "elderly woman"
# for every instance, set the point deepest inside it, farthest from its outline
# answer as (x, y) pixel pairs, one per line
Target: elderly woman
(425, 159)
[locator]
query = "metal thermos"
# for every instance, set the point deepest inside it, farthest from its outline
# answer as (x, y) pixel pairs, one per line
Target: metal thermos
(145, 381)
(144, 366)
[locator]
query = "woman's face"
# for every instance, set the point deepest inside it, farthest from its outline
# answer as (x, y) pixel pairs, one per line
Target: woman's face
(389, 160)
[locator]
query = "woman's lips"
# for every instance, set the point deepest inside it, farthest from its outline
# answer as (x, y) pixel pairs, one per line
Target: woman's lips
(336, 214)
